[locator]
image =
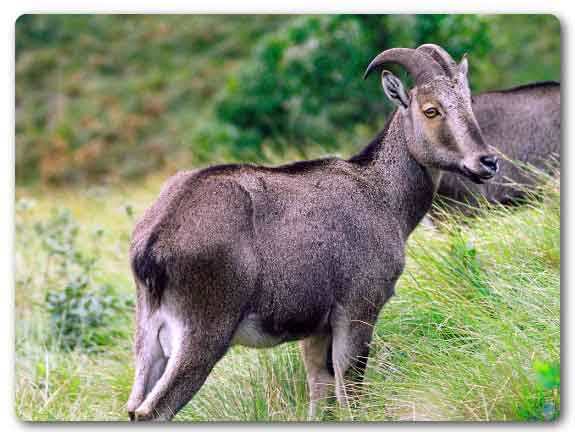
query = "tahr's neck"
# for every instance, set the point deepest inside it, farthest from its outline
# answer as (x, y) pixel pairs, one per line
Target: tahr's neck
(405, 187)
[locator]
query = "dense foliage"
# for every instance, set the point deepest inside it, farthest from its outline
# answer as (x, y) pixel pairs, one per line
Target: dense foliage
(108, 97)
(303, 86)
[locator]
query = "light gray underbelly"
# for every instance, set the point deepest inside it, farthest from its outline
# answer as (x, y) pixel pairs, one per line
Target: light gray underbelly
(250, 333)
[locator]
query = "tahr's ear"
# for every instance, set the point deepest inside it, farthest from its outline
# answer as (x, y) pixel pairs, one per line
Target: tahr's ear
(394, 90)
(463, 66)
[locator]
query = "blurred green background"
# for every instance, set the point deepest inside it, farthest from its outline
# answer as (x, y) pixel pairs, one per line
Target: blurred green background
(106, 98)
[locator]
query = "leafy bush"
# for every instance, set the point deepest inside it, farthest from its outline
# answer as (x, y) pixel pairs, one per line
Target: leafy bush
(83, 314)
(303, 86)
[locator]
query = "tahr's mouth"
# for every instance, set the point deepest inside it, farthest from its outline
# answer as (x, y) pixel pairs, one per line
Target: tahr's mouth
(477, 178)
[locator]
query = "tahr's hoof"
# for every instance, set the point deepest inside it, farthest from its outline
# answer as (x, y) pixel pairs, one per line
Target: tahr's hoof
(141, 416)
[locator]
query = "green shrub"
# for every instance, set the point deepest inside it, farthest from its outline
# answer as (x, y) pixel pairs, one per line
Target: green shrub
(83, 314)
(80, 315)
(303, 85)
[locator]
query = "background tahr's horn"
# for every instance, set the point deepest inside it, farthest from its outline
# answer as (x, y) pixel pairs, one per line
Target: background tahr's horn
(420, 65)
(442, 57)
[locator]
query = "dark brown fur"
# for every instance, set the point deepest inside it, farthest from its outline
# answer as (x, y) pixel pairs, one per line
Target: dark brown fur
(310, 251)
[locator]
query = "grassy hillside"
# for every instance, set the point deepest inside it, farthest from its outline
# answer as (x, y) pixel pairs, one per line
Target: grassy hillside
(473, 333)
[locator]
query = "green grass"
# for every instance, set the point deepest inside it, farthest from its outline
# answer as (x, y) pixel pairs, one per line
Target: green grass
(472, 334)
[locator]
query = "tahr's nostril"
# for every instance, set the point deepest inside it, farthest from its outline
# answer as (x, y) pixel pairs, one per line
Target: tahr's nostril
(490, 162)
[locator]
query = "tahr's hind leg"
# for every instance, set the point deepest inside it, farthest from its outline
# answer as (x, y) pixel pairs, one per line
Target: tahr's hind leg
(195, 349)
(351, 342)
(316, 353)
(150, 360)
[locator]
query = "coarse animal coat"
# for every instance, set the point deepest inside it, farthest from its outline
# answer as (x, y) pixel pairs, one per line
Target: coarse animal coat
(308, 251)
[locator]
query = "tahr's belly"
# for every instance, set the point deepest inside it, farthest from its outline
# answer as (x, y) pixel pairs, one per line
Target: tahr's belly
(251, 333)
(254, 332)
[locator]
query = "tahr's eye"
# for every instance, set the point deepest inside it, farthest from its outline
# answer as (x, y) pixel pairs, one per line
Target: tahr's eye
(431, 112)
